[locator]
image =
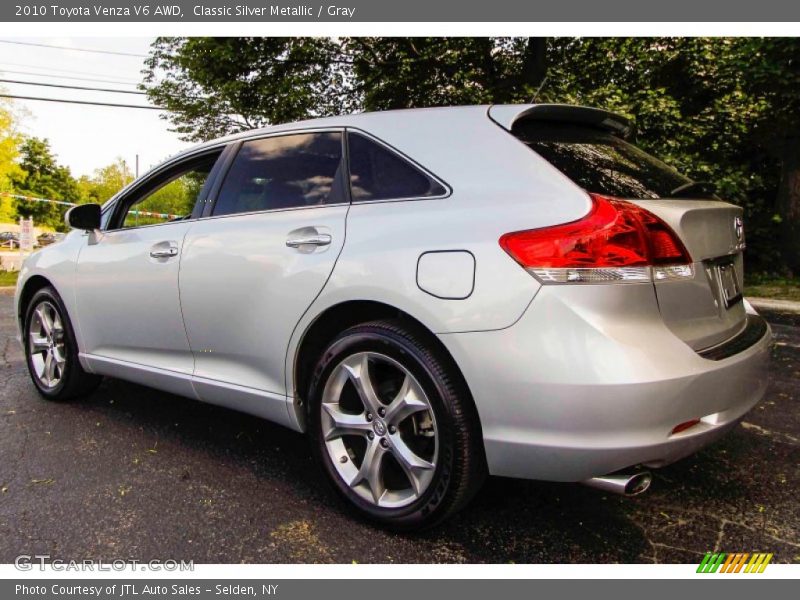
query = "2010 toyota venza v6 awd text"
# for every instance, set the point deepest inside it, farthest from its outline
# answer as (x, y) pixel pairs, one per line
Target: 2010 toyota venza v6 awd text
(433, 295)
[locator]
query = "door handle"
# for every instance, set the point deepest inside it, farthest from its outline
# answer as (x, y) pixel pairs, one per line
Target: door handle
(318, 239)
(164, 250)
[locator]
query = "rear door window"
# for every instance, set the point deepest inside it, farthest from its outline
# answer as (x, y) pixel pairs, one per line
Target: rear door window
(603, 163)
(286, 171)
(377, 173)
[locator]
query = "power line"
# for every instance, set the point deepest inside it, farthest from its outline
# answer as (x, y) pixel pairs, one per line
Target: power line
(71, 87)
(65, 77)
(92, 50)
(81, 102)
(60, 70)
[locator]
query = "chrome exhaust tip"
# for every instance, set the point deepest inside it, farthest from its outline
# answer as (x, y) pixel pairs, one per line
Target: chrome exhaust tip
(624, 484)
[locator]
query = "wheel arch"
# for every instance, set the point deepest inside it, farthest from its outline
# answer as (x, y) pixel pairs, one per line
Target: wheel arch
(33, 284)
(335, 319)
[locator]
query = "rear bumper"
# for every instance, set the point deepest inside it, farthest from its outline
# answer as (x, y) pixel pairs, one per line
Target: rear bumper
(590, 381)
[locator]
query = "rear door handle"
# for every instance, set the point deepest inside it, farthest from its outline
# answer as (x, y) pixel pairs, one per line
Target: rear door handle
(318, 239)
(164, 250)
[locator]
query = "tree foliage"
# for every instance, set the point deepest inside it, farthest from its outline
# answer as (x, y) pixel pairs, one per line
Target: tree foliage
(720, 109)
(220, 85)
(105, 182)
(35, 172)
(10, 141)
(43, 177)
(9, 153)
(214, 86)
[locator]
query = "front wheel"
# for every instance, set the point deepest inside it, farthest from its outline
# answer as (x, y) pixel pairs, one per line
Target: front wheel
(393, 426)
(51, 350)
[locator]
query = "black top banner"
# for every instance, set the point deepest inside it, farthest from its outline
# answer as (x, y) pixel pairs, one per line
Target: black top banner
(402, 10)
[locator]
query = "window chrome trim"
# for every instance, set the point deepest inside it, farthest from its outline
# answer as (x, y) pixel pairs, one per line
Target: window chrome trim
(270, 210)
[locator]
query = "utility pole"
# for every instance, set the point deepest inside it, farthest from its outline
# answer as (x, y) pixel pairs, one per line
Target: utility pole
(137, 166)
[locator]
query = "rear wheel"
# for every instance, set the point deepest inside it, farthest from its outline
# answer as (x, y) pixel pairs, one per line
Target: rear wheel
(51, 350)
(393, 427)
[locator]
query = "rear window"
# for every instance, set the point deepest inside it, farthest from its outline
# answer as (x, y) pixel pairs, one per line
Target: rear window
(603, 163)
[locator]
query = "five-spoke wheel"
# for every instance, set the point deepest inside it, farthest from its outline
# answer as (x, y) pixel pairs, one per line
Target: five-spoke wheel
(46, 344)
(51, 350)
(379, 429)
(393, 425)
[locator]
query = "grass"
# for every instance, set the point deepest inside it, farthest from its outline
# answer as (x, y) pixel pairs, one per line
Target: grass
(8, 278)
(769, 286)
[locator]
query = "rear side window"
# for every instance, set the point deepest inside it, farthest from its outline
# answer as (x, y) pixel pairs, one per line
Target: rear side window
(284, 171)
(377, 173)
(603, 163)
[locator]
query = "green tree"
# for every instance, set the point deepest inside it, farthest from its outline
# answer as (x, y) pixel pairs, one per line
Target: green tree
(772, 83)
(43, 177)
(215, 86)
(393, 73)
(105, 182)
(9, 153)
(220, 85)
(720, 109)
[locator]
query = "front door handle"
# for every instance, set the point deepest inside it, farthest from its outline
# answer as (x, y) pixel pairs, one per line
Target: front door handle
(317, 239)
(164, 250)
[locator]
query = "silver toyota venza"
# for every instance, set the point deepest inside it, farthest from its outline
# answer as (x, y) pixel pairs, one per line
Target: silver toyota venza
(432, 295)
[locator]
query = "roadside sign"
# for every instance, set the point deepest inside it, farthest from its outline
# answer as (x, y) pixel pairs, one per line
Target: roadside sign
(25, 235)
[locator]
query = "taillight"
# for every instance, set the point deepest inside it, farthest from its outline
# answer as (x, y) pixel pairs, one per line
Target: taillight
(617, 241)
(684, 426)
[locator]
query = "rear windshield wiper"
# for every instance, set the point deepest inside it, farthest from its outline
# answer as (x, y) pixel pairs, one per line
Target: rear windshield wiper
(707, 188)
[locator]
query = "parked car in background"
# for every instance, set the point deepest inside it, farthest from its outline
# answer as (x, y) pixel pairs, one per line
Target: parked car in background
(521, 291)
(49, 237)
(9, 239)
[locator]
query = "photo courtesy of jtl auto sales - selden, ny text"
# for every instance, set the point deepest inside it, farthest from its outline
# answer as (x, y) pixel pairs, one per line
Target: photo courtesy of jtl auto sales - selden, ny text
(421, 299)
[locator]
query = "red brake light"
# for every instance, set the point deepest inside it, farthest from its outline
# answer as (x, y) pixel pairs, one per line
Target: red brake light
(616, 241)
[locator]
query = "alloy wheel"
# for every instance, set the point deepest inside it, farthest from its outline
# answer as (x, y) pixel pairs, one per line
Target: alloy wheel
(379, 429)
(46, 344)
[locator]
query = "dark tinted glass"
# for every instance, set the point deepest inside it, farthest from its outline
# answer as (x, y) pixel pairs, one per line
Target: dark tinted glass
(602, 163)
(379, 174)
(283, 172)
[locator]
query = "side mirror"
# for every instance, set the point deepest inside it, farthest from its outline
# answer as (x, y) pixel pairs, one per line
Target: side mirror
(84, 216)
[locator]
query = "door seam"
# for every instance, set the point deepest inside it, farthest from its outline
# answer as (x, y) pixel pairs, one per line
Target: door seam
(180, 307)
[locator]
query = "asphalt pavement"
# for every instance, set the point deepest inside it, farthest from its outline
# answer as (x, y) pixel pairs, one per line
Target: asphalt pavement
(133, 473)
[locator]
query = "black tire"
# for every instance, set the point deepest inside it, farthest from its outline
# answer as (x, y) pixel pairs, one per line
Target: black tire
(461, 465)
(73, 381)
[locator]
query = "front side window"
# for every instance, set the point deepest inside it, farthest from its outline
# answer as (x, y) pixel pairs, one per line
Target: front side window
(173, 199)
(376, 173)
(286, 171)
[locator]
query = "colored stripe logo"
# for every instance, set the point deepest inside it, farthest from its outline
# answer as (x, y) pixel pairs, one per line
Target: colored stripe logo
(739, 562)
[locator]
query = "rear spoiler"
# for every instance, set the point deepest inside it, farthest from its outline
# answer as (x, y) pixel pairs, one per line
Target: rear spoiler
(508, 115)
